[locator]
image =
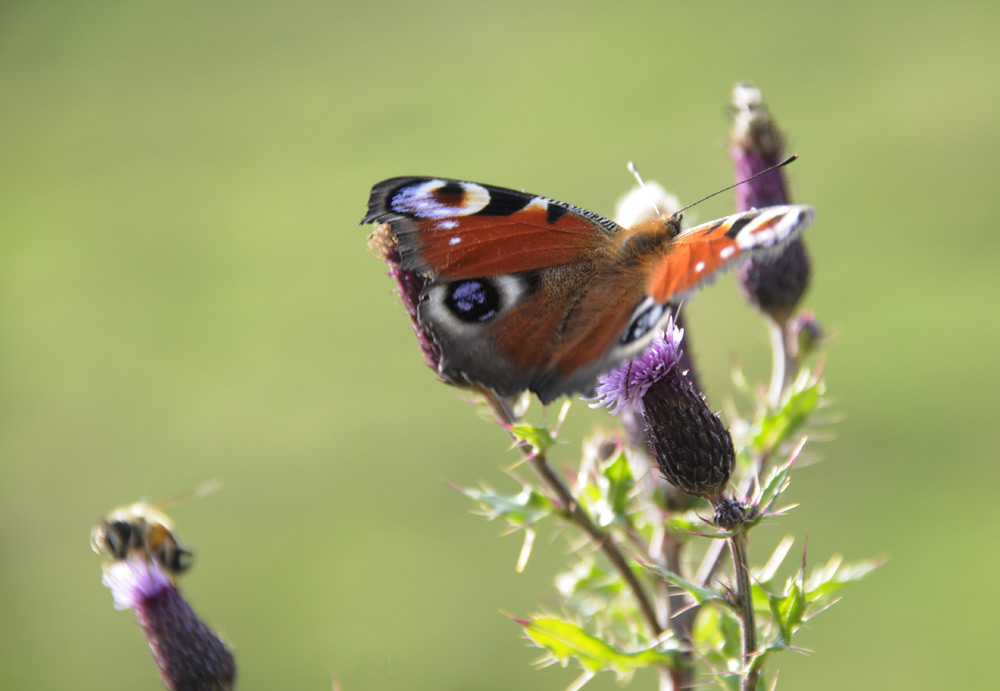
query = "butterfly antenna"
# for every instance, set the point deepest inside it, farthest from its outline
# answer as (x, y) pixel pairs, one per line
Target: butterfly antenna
(788, 160)
(628, 375)
(642, 185)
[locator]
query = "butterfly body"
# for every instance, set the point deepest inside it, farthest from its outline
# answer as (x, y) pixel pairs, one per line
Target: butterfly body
(522, 292)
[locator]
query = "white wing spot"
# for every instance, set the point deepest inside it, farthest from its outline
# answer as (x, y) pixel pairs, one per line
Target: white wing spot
(455, 240)
(699, 267)
(448, 224)
(727, 252)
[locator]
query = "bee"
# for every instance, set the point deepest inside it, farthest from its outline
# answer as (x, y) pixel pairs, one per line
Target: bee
(142, 530)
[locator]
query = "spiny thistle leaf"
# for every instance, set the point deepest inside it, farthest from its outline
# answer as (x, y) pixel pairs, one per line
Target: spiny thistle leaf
(614, 484)
(588, 579)
(779, 425)
(717, 632)
(831, 578)
(700, 595)
(788, 611)
(564, 641)
(520, 510)
(539, 437)
(777, 482)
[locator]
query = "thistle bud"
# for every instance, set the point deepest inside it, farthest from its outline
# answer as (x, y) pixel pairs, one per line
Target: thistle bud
(807, 333)
(688, 442)
(189, 655)
(730, 513)
(774, 285)
(691, 446)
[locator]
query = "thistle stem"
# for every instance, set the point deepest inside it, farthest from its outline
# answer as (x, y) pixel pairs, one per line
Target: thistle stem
(576, 513)
(783, 363)
(744, 604)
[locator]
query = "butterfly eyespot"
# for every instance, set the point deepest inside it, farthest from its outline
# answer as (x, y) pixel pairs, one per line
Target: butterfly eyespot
(647, 316)
(440, 199)
(476, 300)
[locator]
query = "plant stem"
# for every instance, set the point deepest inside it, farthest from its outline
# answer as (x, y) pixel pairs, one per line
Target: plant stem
(744, 603)
(576, 513)
(681, 622)
(784, 370)
(783, 367)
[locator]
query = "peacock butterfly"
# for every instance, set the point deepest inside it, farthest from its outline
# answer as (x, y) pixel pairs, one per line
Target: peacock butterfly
(522, 292)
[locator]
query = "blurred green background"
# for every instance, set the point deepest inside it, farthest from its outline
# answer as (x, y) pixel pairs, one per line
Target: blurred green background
(186, 295)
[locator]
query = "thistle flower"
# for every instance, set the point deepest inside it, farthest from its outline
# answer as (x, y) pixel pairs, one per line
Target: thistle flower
(689, 444)
(189, 655)
(626, 385)
(773, 285)
(409, 285)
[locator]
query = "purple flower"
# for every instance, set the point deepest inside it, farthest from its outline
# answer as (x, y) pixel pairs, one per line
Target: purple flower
(688, 442)
(775, 285)
(626, 385)
(189, 655)
(410, 284)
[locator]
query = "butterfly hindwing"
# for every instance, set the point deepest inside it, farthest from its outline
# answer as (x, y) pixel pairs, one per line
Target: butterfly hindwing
(503, 271)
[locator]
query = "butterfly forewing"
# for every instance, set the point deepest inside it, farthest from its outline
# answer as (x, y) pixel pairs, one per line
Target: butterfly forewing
(454, 229)
(702, 252)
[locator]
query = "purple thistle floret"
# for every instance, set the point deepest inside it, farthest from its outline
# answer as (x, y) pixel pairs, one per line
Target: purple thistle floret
(410, 284)
(625, 385)
(189, 655)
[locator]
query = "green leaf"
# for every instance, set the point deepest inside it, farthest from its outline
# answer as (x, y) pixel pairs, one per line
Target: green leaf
(777, 482)
(540, 438)
(520, 510)
(682, 524)
(717, 629)
(564, 641)
(594, 593)
(829, 579)
(699, 594)
(614, 484)
(588, 578)
(788, 611)
(777, 426)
